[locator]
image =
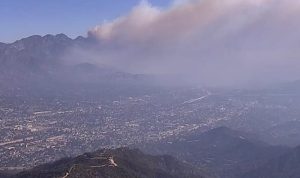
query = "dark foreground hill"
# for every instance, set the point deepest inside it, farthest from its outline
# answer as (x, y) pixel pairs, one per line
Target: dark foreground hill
(3, 175)
(119, 163)
(226, 152)
(285, 166)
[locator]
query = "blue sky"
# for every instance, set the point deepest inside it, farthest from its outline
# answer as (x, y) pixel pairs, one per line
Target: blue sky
(22, 18)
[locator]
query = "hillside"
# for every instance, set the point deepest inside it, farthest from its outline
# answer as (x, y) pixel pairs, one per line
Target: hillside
(227, 152)
(287, 166)
(119, 163)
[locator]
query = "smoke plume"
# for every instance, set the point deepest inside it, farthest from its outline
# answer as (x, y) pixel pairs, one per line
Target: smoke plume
(209, 42)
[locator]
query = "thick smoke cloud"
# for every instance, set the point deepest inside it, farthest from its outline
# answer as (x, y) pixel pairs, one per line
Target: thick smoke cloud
(210, 42)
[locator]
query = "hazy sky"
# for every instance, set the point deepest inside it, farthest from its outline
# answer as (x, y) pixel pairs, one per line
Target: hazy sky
(22, 18)
(211, 42)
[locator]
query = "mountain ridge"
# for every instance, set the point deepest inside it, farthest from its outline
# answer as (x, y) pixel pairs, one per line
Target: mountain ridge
(225, 151)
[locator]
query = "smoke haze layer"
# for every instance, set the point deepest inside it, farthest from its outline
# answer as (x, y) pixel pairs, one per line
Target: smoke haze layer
(209, 42)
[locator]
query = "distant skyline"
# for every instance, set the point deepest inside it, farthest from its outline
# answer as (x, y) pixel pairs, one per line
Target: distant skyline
(20, 18)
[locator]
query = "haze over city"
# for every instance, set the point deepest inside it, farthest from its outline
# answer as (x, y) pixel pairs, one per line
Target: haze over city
(150, 89)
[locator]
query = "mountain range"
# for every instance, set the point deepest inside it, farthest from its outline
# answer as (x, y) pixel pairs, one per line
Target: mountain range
(36, 66)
